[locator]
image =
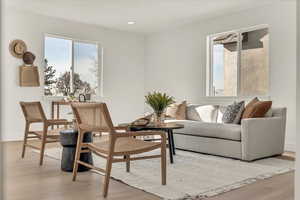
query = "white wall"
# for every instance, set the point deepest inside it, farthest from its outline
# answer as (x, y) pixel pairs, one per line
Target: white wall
(1, 144)
(297, 176)
(175, 62)
(176, 59)
(123, 67)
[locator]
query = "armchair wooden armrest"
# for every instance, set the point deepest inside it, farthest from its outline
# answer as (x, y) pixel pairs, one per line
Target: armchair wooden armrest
(121, 128)
(89, 128)
(58, 122)
(33, 120)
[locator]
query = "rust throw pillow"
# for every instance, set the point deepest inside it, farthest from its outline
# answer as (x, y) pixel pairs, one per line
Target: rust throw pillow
(177, 111)
(248, 108)
(257, 109)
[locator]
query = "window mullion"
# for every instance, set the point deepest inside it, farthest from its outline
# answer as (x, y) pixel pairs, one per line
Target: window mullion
(72, 70)
(100, 70)
(211, 89)
(239, 47)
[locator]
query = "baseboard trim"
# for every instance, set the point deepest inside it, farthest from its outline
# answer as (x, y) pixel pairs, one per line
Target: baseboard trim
(290, 147)
(11, 140)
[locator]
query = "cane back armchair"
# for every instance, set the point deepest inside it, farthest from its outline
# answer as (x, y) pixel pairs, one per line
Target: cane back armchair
(34, 113)
(120, 146)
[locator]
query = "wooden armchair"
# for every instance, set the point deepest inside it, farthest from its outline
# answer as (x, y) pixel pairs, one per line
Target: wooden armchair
(34, 113)
(119, 147)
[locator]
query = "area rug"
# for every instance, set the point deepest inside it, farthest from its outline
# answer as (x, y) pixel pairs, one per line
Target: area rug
(193, 176)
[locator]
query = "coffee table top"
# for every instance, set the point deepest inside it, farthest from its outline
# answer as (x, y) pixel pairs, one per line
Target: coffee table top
(164, 126)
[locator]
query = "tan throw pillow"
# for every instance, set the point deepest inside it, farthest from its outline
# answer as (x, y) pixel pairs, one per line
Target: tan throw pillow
(258, 109)
(248, 108)
(177, 111)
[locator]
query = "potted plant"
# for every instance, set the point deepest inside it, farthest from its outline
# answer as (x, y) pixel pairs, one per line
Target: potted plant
(87, 92)
(159, 102)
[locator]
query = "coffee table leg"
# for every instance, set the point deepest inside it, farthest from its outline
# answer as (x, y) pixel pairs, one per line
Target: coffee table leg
(170, 145)
(172, 139)
(52, 113)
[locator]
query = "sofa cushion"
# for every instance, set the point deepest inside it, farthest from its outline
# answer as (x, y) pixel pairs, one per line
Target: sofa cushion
(258, 109)
(223, 108)
(177, 111)
(203, 113)
(269, 113)
(221, 112)
(213, 130)
(233, 113)
(248, 108)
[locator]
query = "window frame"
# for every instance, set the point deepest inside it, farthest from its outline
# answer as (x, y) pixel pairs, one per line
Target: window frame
(209, 63)
(73, 40)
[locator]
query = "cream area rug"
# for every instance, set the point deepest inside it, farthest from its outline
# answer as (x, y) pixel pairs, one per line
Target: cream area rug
(193, 176)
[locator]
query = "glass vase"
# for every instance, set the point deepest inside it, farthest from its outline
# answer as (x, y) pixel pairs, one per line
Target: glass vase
(158, 118)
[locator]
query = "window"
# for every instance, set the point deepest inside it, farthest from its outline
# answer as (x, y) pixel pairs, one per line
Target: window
(71, 67)
(238, 63)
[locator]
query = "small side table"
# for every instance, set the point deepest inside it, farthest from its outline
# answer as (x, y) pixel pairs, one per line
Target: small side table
(167, 128)
(68, 139)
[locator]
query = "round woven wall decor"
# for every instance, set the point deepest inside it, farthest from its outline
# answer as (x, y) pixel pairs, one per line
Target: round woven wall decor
(28, 58)
(17, 48)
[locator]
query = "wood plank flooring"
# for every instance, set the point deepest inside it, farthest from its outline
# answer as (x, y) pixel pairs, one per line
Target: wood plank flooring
(25, 180)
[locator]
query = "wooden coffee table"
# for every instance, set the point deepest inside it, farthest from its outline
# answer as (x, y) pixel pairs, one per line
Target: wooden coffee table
(167, 128)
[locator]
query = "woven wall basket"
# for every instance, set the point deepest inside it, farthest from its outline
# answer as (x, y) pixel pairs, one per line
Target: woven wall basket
(29, 76)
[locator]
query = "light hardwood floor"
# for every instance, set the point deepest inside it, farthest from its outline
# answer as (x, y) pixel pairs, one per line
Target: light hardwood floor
(26, 180)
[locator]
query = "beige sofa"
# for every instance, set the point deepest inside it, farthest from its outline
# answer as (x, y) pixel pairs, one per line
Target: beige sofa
(253, 139)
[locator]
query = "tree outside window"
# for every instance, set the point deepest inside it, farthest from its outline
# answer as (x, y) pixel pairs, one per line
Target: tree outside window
(71, 67)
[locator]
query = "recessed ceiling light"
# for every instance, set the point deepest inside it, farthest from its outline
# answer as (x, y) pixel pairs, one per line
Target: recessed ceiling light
(131, 22)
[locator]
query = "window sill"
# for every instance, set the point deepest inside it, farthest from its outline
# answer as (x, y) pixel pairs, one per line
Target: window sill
(56, 98)
(264, 97)
(53, 97)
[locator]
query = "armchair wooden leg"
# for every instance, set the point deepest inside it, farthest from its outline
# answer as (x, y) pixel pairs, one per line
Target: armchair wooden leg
(77, 154)
(163, 163)
(25, 139)
(127, 157)
(107, 175)
(42, 151)
(75, 169)
(45, 129)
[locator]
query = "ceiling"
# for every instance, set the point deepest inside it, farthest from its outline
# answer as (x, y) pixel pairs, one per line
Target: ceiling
(149, 15)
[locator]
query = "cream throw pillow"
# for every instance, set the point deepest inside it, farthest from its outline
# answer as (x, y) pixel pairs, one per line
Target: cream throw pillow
(177, 111)
(202, 113)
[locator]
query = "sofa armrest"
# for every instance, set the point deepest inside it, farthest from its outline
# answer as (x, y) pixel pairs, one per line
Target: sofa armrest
(262, 137)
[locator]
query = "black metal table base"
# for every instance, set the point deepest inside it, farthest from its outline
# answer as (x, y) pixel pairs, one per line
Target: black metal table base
(171, 144)
(169, 131)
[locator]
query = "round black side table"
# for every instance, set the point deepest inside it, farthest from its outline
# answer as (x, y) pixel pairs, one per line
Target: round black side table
(68, 139)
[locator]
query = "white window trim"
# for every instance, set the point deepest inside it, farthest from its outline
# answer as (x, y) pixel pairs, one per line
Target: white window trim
(100, 92)
(209, 73)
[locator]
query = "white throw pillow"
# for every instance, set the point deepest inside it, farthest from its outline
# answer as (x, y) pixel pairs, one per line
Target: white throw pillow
(221, 111)
(269, 113)
(203, 113)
